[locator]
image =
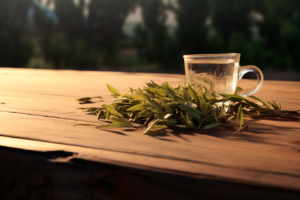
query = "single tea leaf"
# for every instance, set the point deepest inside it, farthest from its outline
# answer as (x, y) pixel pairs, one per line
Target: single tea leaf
(151, 125)
(116, 124)
(139, 97)
(113, 90)
(84, 99)
(153, 103)
(101, 115)
(92, 109)
(137, 107)
(123, 95)
(237, 90)
(193, 94)
(212, 125)
(122, 121)
(233, 97)
(112, 110)
(240, 116)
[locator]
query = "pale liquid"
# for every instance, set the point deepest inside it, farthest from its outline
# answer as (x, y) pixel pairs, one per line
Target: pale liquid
(212, 77)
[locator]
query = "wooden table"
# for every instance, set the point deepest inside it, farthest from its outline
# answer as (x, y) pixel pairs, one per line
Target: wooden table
(45, 155)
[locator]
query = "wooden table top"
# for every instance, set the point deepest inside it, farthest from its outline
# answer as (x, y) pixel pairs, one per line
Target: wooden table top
(38, 112)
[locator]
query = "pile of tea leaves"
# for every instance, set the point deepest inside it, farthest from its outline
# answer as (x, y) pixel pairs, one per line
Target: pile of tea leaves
(162, 106)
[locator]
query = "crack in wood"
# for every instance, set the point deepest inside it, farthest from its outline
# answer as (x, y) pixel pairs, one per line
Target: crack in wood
(37, 115)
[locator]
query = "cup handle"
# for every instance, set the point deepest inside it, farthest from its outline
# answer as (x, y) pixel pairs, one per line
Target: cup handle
(260, 78)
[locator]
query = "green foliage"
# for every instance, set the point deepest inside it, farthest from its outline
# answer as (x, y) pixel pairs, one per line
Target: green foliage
(105, 21)
(192, 30)
(265, 32)
(63, 54)
(152, 39)
(15, 49)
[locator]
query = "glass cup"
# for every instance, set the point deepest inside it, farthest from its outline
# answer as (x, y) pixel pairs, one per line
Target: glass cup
(219, 73)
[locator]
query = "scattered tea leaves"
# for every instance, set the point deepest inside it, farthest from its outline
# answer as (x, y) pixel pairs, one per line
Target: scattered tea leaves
(163, 106)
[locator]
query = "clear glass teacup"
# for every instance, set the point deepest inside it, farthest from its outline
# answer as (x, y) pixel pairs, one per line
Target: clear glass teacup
(219, 73)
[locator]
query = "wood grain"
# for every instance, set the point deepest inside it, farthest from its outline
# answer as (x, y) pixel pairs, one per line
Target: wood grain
(39, 105)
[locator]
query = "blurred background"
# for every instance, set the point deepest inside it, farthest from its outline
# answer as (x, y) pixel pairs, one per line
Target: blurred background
(149, 35)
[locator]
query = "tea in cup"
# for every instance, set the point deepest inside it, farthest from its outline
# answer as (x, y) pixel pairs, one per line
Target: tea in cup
(219, 73)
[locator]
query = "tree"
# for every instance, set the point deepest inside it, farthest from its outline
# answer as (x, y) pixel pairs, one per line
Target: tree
(71, 17)
(280, 30)
(105, 21)
(151, 35)
(15, 50)
(152, 38)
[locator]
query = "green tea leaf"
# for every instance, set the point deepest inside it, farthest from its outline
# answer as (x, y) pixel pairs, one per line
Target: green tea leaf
(92, 109)
(251, 103)
(155, 85)
(274, 105)
(117, 120)
(233, 97)
(188, 120)
(240, 116)
(158, 91)
(153, 103)
(170, 87)
(159, 127)
(166, 106)
(112, 110)
(101, 115)
(258, 99)
(179, 89)
(193, 94)
(84, 99)
(212, 125)
(237, 90)
(135, 101)
(203, 105)
(189, 110)
(136, 107)
(116, 124)
(151, 125)
(123, 95)
(113, 90)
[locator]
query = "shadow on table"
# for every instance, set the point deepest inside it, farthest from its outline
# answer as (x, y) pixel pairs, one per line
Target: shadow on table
(263, 130)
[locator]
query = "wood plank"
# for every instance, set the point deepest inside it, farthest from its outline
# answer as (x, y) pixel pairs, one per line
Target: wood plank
(54, 175)
(171, 166)
(39, 105)
(224, 148)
